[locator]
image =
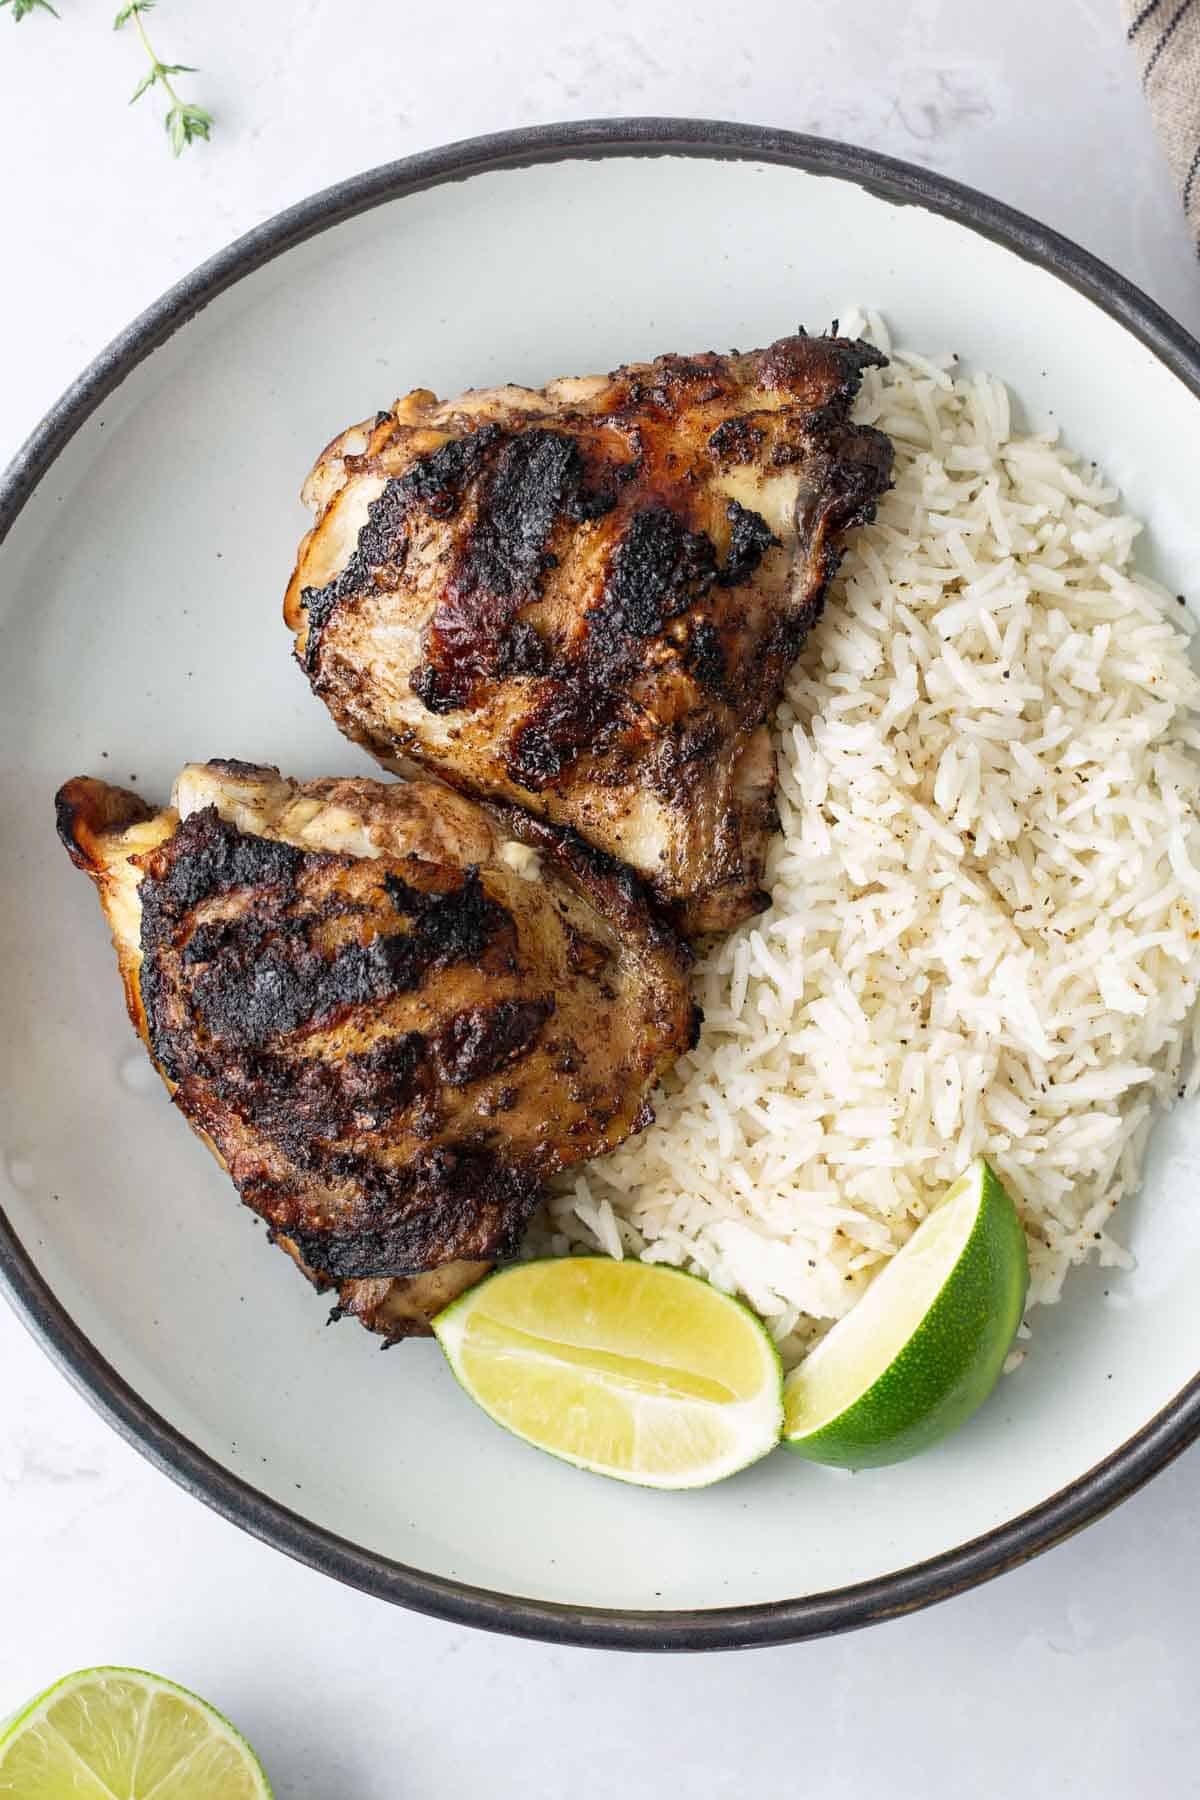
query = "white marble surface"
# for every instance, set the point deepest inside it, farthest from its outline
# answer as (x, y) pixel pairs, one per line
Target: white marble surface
(1076, 1675)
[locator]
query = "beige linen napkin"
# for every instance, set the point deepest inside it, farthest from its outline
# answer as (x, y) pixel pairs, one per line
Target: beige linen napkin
(1165, 37)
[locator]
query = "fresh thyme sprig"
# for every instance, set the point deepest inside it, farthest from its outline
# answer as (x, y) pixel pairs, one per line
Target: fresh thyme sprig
(20, 8)
(185, 122)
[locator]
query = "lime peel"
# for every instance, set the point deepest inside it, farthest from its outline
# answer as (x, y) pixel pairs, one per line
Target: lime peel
(926, 1344)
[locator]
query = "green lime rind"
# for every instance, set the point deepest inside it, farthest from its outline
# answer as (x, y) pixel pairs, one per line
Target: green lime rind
(27, 1717)
(948, 1365)
(449, 1328)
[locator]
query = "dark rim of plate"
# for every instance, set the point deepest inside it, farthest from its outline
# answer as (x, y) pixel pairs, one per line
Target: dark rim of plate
(782, 1621)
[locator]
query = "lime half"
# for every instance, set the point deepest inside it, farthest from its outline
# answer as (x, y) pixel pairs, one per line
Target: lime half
(926, 1343)
(120, 1734)
(627, 1369)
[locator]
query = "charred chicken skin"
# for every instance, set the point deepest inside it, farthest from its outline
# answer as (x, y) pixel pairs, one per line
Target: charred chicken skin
(584, 600)
(389, 1022)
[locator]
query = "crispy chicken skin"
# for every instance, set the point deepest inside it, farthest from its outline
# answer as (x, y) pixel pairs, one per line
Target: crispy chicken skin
(584, 600)
(389, 1022)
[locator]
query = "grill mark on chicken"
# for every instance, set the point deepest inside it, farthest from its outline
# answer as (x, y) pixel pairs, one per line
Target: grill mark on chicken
(658, 571)
(750, 537)
(443, 1206)
(209, 857)
(536, 479)
(302, 1103)
(259, 976)
(612, 593)
(523, 651)
(485, 1039)
(736, 441)
(434, 484)
(248, 999)
(384, 1051)
(705, 656)
(527, 483)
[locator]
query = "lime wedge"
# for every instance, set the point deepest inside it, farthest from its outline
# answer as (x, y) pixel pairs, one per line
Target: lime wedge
(120, 1734)
(926, 1343)
(635, 1371)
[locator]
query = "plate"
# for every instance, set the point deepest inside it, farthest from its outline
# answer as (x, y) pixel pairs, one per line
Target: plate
(153, 520)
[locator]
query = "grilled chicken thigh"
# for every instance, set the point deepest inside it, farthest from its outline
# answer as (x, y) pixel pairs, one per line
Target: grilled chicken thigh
(389, 1023)
(584, 600)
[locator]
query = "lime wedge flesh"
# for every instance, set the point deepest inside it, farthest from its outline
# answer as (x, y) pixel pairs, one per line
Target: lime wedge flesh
(925, 1345)
(121, 1734)
(623, 1368)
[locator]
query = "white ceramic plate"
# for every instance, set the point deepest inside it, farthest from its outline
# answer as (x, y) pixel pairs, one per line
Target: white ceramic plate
(153, 523)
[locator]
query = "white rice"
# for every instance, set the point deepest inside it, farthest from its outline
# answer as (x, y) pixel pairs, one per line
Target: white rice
(984, 931)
